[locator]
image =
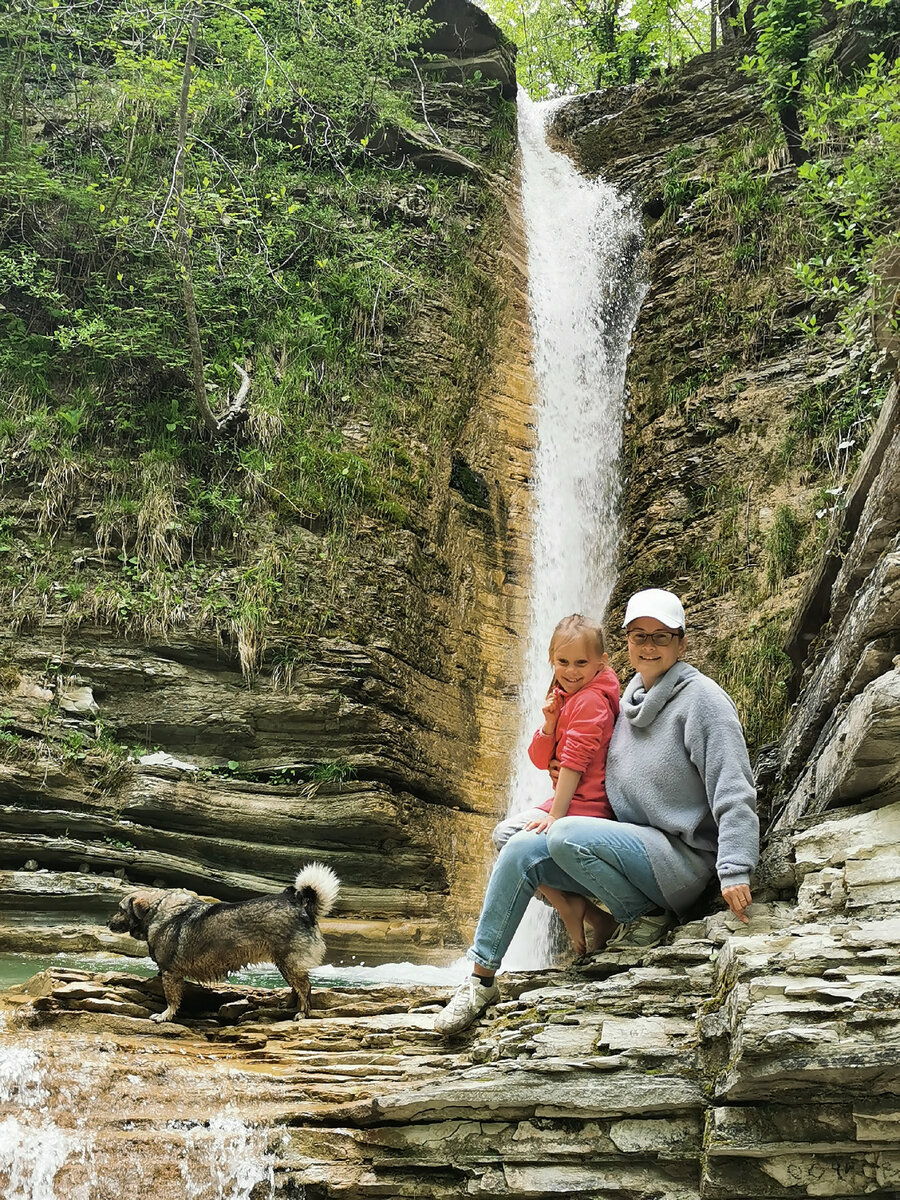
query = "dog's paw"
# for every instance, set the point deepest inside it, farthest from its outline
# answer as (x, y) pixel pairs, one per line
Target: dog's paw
(165, 1015)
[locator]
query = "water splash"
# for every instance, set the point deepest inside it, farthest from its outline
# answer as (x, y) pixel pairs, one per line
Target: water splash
(585, 289)
(31, 1156)
(21, 1077)
(33, 1147)
(227, 1159)
(47, 1151)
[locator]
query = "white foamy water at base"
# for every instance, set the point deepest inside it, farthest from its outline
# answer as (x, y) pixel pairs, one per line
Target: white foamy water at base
(16, 968)
(47, 1151)
(226, 1159)
(402, 974)
(32, 1146)
(585, 289)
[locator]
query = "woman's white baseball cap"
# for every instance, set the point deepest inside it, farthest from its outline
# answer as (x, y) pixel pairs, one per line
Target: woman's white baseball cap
(656, 603)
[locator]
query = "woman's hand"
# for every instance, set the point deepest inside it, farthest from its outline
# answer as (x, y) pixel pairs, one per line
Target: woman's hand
(554, 770)
(738, 899)
(551, 709)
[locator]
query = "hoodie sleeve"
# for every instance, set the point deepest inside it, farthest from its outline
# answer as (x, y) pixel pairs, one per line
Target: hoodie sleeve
(541, 749)
(588, 730)
(715, 743)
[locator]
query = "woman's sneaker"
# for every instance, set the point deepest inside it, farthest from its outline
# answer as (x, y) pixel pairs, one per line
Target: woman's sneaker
(643, 934)
(466, 1005)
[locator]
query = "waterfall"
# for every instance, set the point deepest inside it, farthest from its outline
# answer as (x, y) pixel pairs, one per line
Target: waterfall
(50, 1149)
(32, 1146)
(585, 289)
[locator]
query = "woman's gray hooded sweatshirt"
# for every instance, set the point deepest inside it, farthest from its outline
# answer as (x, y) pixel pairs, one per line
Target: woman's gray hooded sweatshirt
(678, 772)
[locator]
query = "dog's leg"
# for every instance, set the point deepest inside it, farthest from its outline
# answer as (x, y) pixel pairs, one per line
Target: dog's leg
(300, 986)
(173, 988)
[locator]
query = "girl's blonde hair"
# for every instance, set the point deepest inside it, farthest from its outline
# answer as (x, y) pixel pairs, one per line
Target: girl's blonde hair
(572, 627)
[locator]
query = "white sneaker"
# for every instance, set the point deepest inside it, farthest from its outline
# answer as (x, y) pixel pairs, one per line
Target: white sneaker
(643, 934)
(467, 1004)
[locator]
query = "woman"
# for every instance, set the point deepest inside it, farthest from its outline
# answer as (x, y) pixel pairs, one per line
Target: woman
(678, 779)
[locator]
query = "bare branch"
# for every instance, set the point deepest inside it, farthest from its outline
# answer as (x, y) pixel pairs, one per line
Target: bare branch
(434, 133)
(241, 396)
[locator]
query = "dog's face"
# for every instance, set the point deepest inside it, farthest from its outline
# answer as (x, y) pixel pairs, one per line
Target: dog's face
(134, 913)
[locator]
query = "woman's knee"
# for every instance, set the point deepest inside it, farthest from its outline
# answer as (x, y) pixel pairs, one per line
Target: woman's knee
(576, 831)
(556, 835)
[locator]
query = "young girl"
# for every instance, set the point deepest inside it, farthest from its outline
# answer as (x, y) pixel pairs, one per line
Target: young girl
(579, 713)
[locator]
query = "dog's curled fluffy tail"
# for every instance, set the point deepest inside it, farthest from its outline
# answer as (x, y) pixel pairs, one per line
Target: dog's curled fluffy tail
(317, 887)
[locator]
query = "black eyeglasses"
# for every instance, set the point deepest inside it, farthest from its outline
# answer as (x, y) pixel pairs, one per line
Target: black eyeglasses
(659, 637)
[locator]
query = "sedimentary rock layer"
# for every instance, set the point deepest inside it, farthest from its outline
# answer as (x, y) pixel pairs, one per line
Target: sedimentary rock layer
(385, 756)
(734, 1062)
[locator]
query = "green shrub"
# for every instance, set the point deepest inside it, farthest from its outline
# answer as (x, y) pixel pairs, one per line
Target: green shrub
(781, 545)
(754, 669)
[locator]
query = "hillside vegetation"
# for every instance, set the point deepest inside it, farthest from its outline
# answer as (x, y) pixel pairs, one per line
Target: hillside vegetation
(217, 268)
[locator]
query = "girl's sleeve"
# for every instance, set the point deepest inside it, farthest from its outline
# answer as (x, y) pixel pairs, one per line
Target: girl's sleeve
(589, 730)
(715, 742)
(542, 748)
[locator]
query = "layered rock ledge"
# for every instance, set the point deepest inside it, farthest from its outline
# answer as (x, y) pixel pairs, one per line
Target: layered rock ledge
(734, 1062)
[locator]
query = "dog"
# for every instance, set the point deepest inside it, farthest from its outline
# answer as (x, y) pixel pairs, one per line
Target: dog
(205, 939)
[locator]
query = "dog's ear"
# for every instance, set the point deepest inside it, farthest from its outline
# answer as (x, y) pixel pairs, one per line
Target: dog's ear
(139, 906)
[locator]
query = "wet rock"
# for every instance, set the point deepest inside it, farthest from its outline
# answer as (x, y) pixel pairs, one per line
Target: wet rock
(116, 1008)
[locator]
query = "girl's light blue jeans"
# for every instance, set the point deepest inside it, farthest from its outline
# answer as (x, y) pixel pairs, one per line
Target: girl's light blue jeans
(589, 856)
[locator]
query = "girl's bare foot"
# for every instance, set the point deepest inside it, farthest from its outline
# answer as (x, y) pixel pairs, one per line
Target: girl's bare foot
(602, 926)
(571, 909)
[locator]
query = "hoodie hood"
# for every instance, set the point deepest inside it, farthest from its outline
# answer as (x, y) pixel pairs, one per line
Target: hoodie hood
(641, 706)
(605, 683)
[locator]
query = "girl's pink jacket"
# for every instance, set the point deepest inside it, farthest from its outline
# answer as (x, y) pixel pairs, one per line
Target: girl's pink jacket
(581, 740)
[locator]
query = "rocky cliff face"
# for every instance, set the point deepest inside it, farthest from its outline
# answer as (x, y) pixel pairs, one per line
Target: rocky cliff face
(734, 1062)
(156, 757)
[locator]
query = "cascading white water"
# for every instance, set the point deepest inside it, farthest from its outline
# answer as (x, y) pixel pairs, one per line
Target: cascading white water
(49, 1152)
(226, 1159)
(32, 1146)
(585, 289)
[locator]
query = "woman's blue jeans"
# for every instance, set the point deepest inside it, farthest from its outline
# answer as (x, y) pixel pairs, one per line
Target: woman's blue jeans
(590, 856)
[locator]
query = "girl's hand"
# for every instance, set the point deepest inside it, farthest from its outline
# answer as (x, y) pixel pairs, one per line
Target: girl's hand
(542, 825)
(550, 709)
(554, 770)
(738, 900)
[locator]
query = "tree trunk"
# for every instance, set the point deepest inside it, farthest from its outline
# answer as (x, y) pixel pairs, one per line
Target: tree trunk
(790, 124)
(182, 241)
(729, 13)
